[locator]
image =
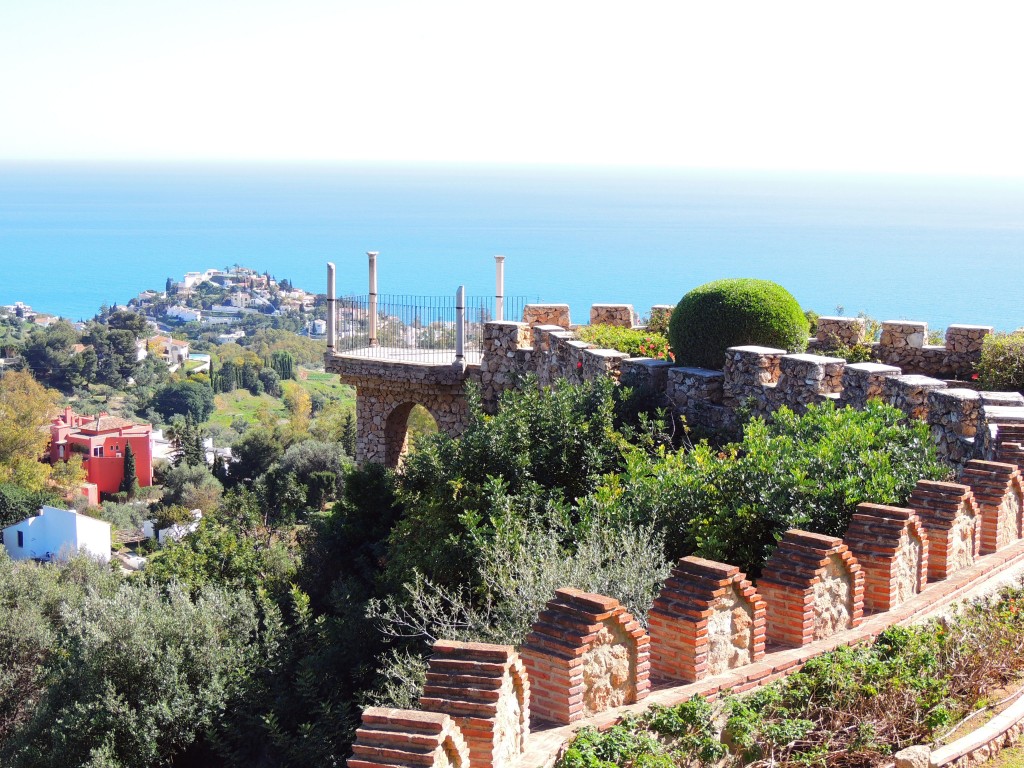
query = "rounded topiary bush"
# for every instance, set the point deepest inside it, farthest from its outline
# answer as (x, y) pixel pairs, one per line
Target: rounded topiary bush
(730, 313)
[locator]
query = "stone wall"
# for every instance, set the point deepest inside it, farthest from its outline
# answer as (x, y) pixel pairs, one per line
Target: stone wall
(546, 314)
(621, 315)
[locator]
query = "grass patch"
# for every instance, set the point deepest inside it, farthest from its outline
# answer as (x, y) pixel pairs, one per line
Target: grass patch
(240, 404)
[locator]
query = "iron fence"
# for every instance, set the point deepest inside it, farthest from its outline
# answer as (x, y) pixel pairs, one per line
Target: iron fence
(417, 328)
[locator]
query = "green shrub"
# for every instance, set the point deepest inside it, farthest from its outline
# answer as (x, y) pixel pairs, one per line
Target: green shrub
(808, 471)
(1002, 362)
(635, 343)
(729, 313)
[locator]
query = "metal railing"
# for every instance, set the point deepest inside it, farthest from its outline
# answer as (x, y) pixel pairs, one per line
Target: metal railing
(416, 328)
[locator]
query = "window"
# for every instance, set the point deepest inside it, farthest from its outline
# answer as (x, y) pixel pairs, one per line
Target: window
(98, 452)
(21, 539)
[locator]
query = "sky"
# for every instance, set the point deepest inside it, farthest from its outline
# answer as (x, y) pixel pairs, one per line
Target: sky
(892, 87)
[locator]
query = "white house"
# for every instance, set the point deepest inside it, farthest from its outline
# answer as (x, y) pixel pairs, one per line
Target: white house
(56, 533)
(185, 314)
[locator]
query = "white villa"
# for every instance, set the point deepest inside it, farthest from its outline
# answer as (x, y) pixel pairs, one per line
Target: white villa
(56, 533)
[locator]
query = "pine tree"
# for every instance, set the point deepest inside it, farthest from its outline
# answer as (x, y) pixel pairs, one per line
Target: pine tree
(348, 435)
(130, 481)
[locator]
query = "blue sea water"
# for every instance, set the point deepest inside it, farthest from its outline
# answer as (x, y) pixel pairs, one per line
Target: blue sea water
(941, 250)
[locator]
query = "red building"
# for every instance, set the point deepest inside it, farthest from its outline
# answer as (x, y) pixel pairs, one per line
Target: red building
(101, 440)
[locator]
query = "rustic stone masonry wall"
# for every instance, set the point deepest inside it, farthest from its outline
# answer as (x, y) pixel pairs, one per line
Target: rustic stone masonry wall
(910, 394)
(398, 738)
(807, 379)
(998, 491)
(484, 689)
(954, 417)
(904, 344)
(621, 315)
(584, 655)
(813, 587)
(747, 372)
(507, 356)
(865, 381)
(892, 548)
(950, 519)
(547, 314)
(707, 619)
(833, 331)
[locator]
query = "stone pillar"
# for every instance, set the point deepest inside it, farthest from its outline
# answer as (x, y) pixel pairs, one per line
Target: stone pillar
(506, 355)
(903, 334)
(484, 689)
(806, 379)
(332, 310)
(748, 370)
(707, 619)
(460, 326)
(892, 548)
(954, 416)
(865, 381)
(840, 331)
(499, 288)
(910, 394)
(372, 255)
(402, 738)
(621, 315)
(950, 519)
(546, 314)
(813, 587)
(999, 492)
(585, 655)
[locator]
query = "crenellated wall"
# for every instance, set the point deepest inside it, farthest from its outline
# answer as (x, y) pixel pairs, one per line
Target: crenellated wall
(587, 661)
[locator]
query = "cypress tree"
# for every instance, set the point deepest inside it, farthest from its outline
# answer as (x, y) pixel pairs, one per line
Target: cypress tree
(130, 481)
(348, 435)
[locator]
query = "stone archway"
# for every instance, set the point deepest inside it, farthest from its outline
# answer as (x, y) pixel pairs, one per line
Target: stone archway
(396, 431)
(387, 391)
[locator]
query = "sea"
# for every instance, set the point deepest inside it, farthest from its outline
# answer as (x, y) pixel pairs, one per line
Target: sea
(941, 250)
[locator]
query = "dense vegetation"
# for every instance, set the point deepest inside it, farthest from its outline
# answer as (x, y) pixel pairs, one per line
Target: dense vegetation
(634, 342)
(852, 707)
(317, 587)
(730, 313)
(1002, 362)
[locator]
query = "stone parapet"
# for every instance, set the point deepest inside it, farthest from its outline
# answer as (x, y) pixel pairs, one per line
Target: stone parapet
(748, 370)
(966, 339)
(688, 387)
(903, 334)
(951, 520)
(910, 393)
(400, 738)
(621, 315)
(707, 619)
(813, 587)
(999, 493)
(865, 381)
(585, 654)
(506, 357)
(484, 689)
(645, 375)
(806, 379)
(836, 331)
(370, 370)
(546, 314)
(892, 548)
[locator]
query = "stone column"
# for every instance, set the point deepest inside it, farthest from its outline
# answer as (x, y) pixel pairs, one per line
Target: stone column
(499, 288)
(373, 297)
(332, 313)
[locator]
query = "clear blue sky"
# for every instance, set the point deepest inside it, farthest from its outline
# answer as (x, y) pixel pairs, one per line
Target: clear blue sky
(919, 87)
